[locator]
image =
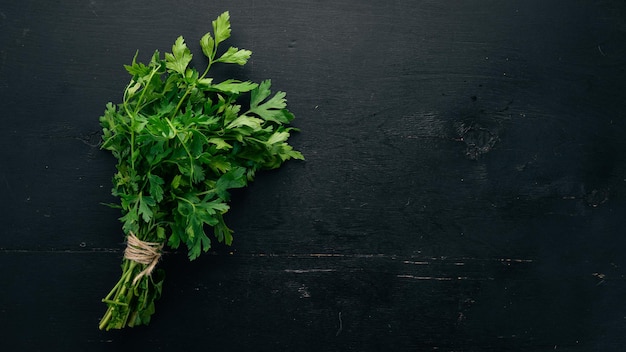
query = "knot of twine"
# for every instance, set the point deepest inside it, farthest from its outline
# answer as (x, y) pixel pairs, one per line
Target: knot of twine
(147, 253)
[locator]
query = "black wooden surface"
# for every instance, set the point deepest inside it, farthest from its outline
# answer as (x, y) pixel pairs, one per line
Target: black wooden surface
(464, 188)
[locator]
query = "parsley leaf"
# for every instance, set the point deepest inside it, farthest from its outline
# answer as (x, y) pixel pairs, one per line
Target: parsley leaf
(235, 56)
(234, 86)
(274, 108)
(221, 27)
(180, 56)
(207, 43)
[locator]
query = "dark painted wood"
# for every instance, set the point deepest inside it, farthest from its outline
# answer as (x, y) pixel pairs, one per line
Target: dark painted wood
(464, 188)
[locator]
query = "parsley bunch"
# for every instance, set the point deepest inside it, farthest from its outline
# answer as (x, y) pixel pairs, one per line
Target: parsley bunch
(182, 141)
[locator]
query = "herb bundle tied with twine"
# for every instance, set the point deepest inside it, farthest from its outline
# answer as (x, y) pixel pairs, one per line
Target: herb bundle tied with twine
(182, 141)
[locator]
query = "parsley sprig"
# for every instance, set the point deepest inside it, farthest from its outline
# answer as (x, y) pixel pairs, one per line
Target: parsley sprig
(182, 141)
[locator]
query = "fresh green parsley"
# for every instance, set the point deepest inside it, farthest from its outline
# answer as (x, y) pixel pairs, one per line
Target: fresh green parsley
(182, 141)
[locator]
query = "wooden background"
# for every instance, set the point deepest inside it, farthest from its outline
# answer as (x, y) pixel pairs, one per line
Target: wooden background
(464, 188)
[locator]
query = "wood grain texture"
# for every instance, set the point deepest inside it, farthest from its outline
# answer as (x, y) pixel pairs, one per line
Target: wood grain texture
(464, 187)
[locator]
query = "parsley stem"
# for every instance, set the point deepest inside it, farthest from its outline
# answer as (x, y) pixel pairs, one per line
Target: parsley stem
(134, 116)
(184, 147)
(115, 300)
(188, 201)
(207, 69)
(180, 103)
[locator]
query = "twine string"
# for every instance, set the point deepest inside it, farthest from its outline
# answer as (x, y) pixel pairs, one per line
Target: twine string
(146, 253)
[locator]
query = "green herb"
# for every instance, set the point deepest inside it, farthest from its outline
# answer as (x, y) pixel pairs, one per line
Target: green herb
(182, 141)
